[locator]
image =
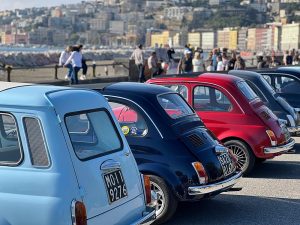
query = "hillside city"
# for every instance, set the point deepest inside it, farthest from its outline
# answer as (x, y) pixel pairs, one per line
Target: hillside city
(253, 25)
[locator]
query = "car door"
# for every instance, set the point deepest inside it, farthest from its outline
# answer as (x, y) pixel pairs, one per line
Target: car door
(213, 104)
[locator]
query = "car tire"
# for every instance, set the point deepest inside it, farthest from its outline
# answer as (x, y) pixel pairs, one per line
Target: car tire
(245, 156)
(166, 201)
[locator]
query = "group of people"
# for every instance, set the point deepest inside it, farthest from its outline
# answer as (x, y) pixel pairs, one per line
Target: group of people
(158, 62)
(192, 61)
(73, 59)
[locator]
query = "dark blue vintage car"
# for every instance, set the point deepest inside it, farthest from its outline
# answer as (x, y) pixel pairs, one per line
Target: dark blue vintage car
(286, 82)
(171, 144)
(280, 107)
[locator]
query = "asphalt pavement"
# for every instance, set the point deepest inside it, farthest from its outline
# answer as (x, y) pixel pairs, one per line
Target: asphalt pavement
(270, 196)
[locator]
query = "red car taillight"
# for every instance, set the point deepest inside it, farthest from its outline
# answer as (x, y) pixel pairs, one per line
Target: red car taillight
(147, 186)
(203, 178)
(79, 216)
(272, 137)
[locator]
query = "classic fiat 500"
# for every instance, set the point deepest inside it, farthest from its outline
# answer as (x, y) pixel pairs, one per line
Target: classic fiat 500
(64, 161)
(280, 107)
(171, 144)
(286, 83)
(235, 114)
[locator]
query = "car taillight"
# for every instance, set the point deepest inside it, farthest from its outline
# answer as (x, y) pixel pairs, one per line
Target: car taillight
(78, 213)
(203, 178)
(272, 137)
(147, 186)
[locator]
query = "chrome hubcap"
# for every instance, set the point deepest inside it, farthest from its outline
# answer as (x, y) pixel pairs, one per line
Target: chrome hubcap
(242, 159)
(161, 201)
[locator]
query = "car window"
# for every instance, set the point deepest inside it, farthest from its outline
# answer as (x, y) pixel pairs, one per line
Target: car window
(258, 91)
(210, 99)
(267, 85)
(285, 84)
(181, 89)
(268, 79)
(131, 121)
(10, 151)
(174, 105)
(247, 90)
(92, 134)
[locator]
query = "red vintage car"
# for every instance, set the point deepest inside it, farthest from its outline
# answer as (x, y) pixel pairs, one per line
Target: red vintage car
(234, 114)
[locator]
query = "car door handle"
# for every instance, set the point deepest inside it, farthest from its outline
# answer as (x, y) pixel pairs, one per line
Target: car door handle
(110, 164)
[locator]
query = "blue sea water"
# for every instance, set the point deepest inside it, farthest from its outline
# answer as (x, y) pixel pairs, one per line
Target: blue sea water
(5, 48)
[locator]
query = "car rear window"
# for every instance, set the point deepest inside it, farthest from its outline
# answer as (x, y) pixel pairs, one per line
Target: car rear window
(174, 105)
(92, 134)
(247, 90)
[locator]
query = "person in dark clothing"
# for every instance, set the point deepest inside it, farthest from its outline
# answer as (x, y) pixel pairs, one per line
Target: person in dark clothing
(170, 53)
(231, 62)
(186, 63)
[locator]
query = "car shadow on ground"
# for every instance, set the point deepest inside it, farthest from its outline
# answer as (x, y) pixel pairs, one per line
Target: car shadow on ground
(277, 170)
(238, 210)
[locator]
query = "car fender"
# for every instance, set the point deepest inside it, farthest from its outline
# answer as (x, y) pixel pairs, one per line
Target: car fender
(171, 179)
(253, 141)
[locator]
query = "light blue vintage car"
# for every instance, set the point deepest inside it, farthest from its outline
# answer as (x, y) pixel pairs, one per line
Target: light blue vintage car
(64, 161)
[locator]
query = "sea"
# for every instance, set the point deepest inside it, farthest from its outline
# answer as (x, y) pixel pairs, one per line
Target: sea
(8, 48)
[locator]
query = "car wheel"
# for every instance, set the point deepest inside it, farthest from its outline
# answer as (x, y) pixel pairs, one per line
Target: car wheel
(244, 155)
(166, 201)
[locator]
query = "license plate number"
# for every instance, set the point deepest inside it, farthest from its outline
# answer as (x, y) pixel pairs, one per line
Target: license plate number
(227, 164)
(115, 185)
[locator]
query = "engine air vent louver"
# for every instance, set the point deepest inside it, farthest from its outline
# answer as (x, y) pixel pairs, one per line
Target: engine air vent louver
(196, 140)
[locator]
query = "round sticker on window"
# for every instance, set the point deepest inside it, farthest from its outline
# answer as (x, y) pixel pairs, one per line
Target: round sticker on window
(125, 130)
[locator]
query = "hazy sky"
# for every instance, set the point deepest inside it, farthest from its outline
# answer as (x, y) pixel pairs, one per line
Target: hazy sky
(20, 4)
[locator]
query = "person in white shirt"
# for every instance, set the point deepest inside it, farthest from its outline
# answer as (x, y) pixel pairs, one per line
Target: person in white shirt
(219, 63)
(65, 54)
(139, 59)
(198, 63)
(76, 60)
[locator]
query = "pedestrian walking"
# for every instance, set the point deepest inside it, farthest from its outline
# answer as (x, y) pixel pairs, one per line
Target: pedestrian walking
(76, 60)
(84, 65)
(139, 59)
(296, 58)
(198, 63)
(214, 59)
(65, 54)
(185, 64)
(225, 61)
(153, 64)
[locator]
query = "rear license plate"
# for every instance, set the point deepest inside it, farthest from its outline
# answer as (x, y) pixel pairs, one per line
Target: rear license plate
(115, 185)
(227, 164)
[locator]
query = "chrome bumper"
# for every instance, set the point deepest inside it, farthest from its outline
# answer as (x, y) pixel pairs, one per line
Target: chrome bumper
(148, 217)
(281, 148)
(294, 129)
(223, 185)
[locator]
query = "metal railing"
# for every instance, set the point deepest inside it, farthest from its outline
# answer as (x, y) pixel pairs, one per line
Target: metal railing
(8, 70)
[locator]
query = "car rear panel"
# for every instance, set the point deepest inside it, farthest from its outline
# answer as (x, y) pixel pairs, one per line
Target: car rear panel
(202, 145)
(271, 120)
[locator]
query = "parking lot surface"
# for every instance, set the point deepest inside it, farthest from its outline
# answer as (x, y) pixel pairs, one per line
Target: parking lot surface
(270, 196)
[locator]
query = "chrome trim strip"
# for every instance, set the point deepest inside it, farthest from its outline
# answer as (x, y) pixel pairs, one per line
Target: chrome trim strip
(110, 164)
(148, 217)
(73, 216)
(281, 148)
(293, 129)
(223, 185)
(113, 96)
(291, 120)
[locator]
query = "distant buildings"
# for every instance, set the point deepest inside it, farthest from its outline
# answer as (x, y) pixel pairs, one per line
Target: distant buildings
(290, 36)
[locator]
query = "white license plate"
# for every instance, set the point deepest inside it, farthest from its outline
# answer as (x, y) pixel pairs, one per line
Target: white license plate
(115, 185)
(227, 164)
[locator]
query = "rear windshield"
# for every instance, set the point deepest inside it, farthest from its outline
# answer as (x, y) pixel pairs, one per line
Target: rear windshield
(174, 105)
(247, 90)
(92, 134)
(267, 85)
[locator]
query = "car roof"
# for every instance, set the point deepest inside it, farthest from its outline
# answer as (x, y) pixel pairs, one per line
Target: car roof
(204, 77)
(136, 88)
(245, 74)
(23, 94)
